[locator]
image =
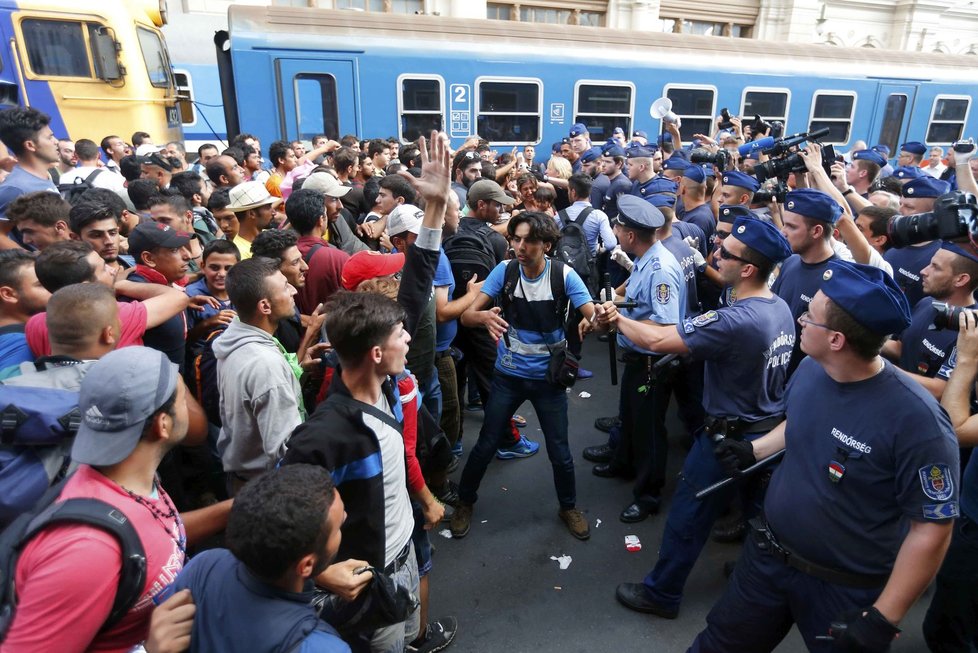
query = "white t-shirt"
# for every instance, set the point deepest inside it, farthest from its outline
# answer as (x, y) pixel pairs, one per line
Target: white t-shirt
(107, 179)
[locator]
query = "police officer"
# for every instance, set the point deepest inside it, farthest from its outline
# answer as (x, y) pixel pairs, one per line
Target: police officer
(590, 166)
(612, 164)
(856, 517)
(645, 182)
(746, 348)
(657, 285)
(737, 188)
(926, 353)
(692, 195)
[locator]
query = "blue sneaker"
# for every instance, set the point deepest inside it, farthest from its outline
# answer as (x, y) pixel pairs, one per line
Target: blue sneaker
(457, 449)
(584, 374)
(522, 449)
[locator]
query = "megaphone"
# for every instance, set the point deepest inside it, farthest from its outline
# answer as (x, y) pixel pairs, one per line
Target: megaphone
(661, 109)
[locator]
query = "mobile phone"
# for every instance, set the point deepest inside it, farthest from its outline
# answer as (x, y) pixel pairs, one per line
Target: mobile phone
(964, 147)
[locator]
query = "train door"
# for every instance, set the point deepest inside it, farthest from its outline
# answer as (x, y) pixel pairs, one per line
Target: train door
(318, 96)
(891, 120)
(9, 82)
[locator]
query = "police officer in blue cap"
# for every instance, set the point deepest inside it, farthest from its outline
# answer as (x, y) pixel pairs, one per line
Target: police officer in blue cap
(809, 218)
(737, 188)
(864, 170)
(906, 173)
(674, 167)
(911, 154)
(591, 166)
(657, 285)
(746, 348)
(580, 142)
(641, 171)
(692, 195)
(918, 196)
(612, 166)
(856, 517)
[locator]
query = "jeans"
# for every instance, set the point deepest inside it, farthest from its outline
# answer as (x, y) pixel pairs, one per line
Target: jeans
(550, 403)
(431, 396)
(951, 624)
(479, 363)
(392, 639)
(451, 411)
(765, 597)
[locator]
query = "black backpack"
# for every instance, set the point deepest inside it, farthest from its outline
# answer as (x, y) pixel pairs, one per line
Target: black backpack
(469, 253)
(572, 248)
(70, 192)
(202, 377)
(48, 512)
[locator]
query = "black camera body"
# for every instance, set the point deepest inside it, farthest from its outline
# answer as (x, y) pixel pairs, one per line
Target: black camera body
(719, 160)
(784, 160)
(955, 217)
(947, 316)
(725, 122)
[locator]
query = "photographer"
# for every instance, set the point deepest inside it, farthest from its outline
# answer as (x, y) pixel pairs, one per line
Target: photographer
(950, 624)
(965, 170)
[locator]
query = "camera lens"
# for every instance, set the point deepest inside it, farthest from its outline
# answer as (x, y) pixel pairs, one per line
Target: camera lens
(906, 230)
(946, 316)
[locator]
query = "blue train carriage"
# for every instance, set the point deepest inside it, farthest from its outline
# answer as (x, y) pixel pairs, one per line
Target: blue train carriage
(293, 73)
(95, 67)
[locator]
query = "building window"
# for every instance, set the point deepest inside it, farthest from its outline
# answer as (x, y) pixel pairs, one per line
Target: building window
(769, 104)
(56, 48)
(316, 107)
(555, 15)
(947, 119)
(379, 6)
(602, 106)
(696, 106)
(510, 111)
(496, 11)
(680, 25)
(422, 110)
(835, 111)
(185, 93)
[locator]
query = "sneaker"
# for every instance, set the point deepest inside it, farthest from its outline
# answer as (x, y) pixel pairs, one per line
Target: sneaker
(457, 449)
(452, 466)
(473, 406)
(461, 520)
(437, 636)
(448, 493)
(576, 523)
(607, 423)
(584, 374)
(519, 421)
(522, 449)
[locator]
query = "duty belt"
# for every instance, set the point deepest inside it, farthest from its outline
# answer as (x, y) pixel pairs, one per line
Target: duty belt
(635, 358)
(768, 543)
(731, 427)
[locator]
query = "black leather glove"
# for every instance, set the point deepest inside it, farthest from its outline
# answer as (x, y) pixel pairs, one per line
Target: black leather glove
(734, 455)
(864, 633)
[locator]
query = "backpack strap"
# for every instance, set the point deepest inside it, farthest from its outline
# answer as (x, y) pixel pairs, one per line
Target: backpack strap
(90, 178)
(312, 252)
(557, 288)
(564, 219)
(511, 278)
(581, 217)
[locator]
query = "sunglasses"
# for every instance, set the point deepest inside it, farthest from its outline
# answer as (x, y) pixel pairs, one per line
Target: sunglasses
(727, 255)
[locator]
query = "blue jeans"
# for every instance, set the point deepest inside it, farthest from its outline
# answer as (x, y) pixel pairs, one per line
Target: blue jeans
(951, 624)
(690, 520)
(550, 403)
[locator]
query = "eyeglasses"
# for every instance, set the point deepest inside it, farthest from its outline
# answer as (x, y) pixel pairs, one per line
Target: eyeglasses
(806, 318)
(727, 255)
(720, 235)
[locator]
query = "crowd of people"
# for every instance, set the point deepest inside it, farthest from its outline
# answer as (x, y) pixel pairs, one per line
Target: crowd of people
(268, 360)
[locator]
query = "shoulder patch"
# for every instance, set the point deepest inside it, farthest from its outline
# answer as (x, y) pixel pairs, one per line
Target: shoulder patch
(656, 264)
(936, 481)
(704, 319)
(941, 510)
(662, 293)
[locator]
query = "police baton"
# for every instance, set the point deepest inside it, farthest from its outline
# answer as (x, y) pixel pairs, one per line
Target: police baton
(612, 350)
(753, 469)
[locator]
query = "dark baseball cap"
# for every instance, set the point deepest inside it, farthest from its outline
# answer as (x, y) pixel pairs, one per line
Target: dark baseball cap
(487, 189)
(150, 235)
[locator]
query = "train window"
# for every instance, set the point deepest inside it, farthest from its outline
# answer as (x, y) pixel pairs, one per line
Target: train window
(947, 119)
(602, 106)
(316, 107)
(509, 111)
(893, 113)
(421, 106)
(696, 106)
(185, 93)
(835, 111)
(769, 104)
(157, 61)
(56, 48)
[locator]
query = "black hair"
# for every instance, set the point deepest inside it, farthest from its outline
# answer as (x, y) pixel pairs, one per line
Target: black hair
(247, 284)
(141, 192)
(862, 341)
(410, 156)
(64, 263)
(280, 517)
(103, 196)
(464, 158)
(77, 313)
(188, 183)
(12, 262)
(272, 243)
(205, 146)
(138, 138)
(581, 184)
(304, 209)
(399, 187)
(235, 153)
(879, 219)
(343, 158)
(241, 138)
(85, 149)
(42, 207)
(220, 246)
(764, 265)
(358, 321)
(218, 200)
(542, 226)
(86, 212)
(130, 168)
(19, 125)
(376, 146)
(349, 141)
(278, 150)
(215, 170)
(173, 198)
(105, 145)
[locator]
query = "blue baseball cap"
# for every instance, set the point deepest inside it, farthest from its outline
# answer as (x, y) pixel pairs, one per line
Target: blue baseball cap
(960, 251)
(591, 155)
(577, 129)
(868, 294)
(695, 173)
(635, 213)
(556, 147)
(813, 204)
(675, 163)
(914, 147)
(730, 212)
(908, 172)
(121, 391)
(925, 186)
(664, 138)
(762, 237)
(640, 151)
(739, 179)
(869, 155)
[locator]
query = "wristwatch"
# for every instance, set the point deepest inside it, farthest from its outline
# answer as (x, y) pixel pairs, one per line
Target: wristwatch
(847, 191)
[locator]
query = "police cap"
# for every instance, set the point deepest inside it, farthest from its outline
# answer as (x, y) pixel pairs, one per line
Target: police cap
(591, 155)
(762, 237)
(914, 147)
(739, 179)
(578, 129)
(908, 172)
(869, 155)
(675, 163)
(925, 186)
(965, 251)
(695, 173)
(640, 151)
(868, 294)
(635, 213)
(814, 204)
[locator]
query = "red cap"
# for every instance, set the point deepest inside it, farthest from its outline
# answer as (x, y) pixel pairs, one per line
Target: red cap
(370, 265)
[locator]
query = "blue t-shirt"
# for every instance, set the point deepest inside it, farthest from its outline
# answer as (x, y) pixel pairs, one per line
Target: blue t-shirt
(927, 351)
(796, 284)
(194, 318)
(969, 489)
(527, 355)
(861, 460)
(684, 255)
(20, 182)
(599, 186)
(907, 263)
(609, 203)
(13, 350)
(702, 217)
(445, 331)
(746, 348)
(658, 285)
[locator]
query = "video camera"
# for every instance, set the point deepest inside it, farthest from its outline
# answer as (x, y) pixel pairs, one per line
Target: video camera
(719, 160)
(955, 217)
(784, 160)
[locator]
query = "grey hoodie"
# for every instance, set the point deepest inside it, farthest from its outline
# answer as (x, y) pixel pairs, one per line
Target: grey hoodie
(259, 399)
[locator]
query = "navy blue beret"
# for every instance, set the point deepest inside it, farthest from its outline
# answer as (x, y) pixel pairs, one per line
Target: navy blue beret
(695, 173)
(662, 200)
(659, 185)
(591, 155)
(664, 138)
(966, 252)
(638, 133)
(577, 129)
(925, 186)
(734, 178)
(814, 204)
(762, 237)
(869, 295)
(640, 151)
(882, 149)
(914, 147)
(709, 170)
(675, 163)
(869, 155)
(612, 149)
(730, 212)
(636, 213)
(908, 172)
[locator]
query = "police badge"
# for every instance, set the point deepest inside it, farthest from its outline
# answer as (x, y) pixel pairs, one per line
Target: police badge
(662, 293)
(936, 482)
